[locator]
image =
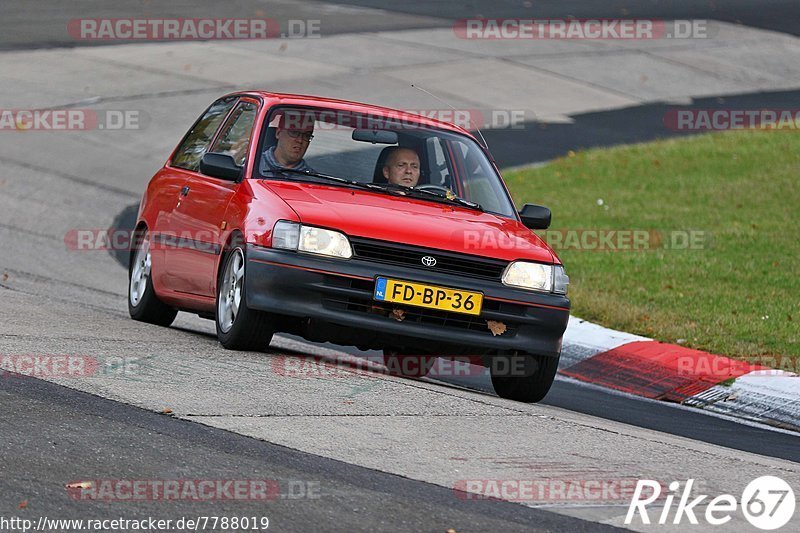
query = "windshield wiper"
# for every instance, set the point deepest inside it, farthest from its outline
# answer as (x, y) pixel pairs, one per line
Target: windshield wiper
(336, 179)
(424, 193)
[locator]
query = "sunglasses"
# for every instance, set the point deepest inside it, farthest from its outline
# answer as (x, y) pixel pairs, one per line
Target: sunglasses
(301, 134)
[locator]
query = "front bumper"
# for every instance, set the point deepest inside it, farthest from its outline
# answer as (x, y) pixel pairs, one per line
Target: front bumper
(340, 293)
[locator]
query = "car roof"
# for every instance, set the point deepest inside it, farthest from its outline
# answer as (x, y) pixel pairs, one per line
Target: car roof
(347, 105)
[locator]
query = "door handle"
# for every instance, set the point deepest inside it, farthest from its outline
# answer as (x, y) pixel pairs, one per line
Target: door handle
(185, 190)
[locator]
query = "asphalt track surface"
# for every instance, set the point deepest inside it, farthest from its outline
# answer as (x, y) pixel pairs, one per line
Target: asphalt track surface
(538, 142)
(46, 26)
(25, 28)
(777, 15)
(53, 434)
(76, 433)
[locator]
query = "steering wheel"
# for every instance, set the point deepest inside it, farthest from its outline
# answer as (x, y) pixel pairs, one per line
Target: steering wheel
(437, 188)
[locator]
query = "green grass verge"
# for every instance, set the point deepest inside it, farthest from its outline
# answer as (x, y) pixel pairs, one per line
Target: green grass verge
(739, 293)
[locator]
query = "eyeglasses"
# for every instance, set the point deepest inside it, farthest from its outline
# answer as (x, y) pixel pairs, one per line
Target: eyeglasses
(294, 134)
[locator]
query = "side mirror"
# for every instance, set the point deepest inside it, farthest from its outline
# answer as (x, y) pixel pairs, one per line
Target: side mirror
(535, 216)
(220, 166)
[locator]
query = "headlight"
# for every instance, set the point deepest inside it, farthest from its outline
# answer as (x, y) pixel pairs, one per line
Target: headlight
(537, 277)
(529, 276)
(294, 236)
(324, 242)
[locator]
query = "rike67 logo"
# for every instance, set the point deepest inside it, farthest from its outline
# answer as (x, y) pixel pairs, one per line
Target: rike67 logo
(767, 503)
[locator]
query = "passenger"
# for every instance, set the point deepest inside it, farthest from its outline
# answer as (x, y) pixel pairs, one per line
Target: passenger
(293, 134)
(402, 167)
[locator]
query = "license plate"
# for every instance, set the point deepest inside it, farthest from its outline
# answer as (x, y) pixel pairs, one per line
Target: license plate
(428, 296)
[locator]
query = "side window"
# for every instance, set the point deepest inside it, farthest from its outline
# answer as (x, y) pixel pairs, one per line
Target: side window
(475, 177)
(235, 136)
(196, 142)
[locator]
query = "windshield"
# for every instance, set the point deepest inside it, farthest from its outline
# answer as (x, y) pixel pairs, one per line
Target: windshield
(428, 163)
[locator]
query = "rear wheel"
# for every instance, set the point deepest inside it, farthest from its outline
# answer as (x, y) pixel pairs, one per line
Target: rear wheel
(143, 304)
(523, 377)
(238, 326)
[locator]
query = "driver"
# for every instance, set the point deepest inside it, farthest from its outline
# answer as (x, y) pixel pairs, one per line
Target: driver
(402, 167)
(293, 134)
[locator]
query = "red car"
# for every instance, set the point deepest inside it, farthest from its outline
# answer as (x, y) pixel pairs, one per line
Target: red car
(353, 224)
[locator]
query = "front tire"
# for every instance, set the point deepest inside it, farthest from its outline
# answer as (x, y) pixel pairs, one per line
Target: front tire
(143, 303)
(238, 326)
(524, 380)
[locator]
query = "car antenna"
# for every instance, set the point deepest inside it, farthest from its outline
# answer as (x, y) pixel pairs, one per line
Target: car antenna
(485, 144)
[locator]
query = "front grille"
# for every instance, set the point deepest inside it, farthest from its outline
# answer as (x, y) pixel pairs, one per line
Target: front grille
(411, 256)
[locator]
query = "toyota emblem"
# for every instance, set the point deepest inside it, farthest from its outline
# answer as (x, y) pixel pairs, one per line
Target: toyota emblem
(429, 261)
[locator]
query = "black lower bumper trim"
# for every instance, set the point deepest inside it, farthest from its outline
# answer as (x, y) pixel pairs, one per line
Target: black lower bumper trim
(340, 292)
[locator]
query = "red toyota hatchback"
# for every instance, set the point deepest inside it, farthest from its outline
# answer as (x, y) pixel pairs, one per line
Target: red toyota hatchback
(353, 224)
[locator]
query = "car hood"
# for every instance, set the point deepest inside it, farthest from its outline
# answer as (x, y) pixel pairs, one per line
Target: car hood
(411, 221)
